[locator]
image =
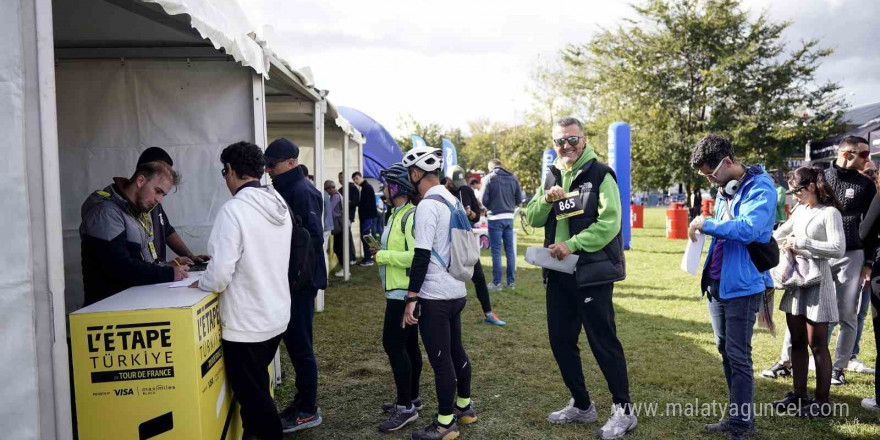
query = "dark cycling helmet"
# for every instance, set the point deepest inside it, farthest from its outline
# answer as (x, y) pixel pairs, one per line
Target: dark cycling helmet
(398, 175)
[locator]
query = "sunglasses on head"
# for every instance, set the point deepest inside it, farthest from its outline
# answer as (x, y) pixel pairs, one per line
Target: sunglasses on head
(572, 140)
(863, 154)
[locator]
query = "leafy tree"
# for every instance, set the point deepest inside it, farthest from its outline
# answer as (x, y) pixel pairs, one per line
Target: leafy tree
(685, 68)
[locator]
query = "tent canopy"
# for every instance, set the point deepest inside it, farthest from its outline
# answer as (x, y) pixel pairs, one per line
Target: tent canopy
(380, 149)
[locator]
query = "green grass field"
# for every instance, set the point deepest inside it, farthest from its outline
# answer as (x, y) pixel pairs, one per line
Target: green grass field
(663, 325)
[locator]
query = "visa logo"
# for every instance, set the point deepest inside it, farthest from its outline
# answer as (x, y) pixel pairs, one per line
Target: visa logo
(124, 392)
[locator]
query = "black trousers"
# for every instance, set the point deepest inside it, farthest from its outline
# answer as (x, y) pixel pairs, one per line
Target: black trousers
(440, 326)
(247, 370)
(338, 246)
(402, 347)
(479, 280)
(569, 309)
(298, 340)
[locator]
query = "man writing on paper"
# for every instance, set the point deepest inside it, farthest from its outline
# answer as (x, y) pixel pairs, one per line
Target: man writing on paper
(579, 208)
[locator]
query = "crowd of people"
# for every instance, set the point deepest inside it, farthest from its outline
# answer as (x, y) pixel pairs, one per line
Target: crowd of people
(267, 257)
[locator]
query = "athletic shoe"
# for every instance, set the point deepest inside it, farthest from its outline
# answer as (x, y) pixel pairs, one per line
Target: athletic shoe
(837, 377)
(571, 414)
(301, 421)
(366, 263)
(417, 402)
(618, 424)
(790, 402)
(436, 431)
(511, 286)
(723, 425)
(492, 318)
(398, 417)
(856, 366)
(777, 370)
(870, 404)
(340, 273)
(493, 287)
(813, 409)
(465, 415)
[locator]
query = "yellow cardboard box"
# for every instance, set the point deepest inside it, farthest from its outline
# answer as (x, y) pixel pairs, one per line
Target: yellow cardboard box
(147, 364)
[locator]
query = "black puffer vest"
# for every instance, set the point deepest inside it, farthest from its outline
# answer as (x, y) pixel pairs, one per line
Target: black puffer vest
(593, 268)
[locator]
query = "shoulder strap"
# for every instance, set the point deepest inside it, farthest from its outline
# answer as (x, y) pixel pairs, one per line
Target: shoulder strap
(438, 197)
(406, 216)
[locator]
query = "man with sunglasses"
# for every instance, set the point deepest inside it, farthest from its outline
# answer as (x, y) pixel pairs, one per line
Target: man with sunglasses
(580, 210)
(306, 206)
(745, 214)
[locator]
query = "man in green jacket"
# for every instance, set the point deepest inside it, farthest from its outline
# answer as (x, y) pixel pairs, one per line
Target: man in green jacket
(579, 208)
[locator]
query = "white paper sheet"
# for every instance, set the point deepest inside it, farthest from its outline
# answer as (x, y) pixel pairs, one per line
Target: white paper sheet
(692, 252)
(191, 278)
(540, 256)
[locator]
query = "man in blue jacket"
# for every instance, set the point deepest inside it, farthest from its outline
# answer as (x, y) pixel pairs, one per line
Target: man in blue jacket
(501, 195)
(305, 202)
(745, 212)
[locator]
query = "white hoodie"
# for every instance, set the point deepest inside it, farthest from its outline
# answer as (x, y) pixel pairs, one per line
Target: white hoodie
(250, 252)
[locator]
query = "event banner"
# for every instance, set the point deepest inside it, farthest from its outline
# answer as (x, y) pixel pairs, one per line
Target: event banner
(146, 371)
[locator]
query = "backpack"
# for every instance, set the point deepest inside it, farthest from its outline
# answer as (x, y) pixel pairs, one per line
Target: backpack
(302, 255)
(464, 250)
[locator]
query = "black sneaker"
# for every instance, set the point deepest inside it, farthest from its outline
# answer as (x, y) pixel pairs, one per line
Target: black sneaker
(837, 377)
(790, 403)
(301, 421)
(436, 431)
(398, 417)
(776, 371)
(388, 406)
(814, 409)
(465, 415)
(723, 425)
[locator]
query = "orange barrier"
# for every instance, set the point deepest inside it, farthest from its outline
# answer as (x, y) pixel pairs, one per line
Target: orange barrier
(676, 222)
(635, 219)
(708, 208)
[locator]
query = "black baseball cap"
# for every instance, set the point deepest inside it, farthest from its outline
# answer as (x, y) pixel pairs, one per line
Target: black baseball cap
(281, 149)
(154, 154)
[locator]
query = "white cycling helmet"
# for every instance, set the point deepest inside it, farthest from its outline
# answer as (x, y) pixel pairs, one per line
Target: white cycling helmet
(425, 158)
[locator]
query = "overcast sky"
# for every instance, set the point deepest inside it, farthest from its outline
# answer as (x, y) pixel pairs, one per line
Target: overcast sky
(454, 61)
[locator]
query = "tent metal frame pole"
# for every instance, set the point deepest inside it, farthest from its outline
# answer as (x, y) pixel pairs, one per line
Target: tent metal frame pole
(346, 224)
(320, 109)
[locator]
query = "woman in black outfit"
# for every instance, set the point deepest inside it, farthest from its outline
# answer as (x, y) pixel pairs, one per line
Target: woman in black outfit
(869, 231)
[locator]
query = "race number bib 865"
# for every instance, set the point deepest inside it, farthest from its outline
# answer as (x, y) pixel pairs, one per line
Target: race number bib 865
(569, 206)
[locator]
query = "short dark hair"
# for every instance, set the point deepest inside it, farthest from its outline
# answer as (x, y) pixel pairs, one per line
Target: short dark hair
(305, 169)
(711, 150)
(156, 168)
(565, 122)
(473, 182)
(496, 163)
(245, 158)
(852, 141)
(356, 174)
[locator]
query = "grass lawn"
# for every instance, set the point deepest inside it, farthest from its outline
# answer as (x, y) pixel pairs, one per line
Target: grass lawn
(661, 320)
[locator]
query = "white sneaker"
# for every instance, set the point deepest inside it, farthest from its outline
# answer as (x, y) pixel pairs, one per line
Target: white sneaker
(856, 366)
(570, 414)
(870, 404)
(618, 424)
(340, 273)
(493, 287)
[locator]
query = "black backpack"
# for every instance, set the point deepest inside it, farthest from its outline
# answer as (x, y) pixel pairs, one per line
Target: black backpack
(302, 256)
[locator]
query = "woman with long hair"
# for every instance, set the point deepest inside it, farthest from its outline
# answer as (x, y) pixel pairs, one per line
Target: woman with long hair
(808, 240)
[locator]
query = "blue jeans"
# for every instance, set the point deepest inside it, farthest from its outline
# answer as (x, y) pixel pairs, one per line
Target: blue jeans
(863, 312)
(733, 321)
(502, 230)
(369, 226)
